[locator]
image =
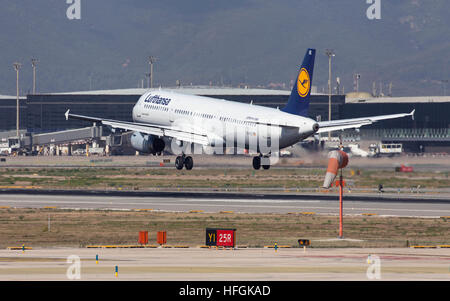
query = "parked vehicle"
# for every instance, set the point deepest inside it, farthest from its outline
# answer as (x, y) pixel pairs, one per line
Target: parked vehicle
(385, 149)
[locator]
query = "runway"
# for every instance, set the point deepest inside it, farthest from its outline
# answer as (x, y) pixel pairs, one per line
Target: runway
(239, 203)
(230, 265)
(242, 264)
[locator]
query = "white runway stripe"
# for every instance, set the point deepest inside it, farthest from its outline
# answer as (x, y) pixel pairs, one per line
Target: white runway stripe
(239, 205)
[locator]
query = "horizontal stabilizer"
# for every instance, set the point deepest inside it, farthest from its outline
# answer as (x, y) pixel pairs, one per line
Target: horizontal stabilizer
(355, 123)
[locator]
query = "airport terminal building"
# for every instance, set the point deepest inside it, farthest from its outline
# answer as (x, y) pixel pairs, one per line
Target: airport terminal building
(8, 105)
(45, 112)
(429, 131)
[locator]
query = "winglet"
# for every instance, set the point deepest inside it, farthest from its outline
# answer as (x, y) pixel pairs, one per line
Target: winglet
(412, 114)
(67, 114)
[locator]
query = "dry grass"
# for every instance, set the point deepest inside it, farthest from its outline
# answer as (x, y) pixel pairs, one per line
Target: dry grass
(78, 228)
(146, 178)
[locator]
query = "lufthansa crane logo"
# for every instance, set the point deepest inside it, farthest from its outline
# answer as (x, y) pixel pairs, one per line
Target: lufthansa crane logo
(303, 83)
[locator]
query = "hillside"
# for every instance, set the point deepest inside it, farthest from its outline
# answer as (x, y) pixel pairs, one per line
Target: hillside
(232, 42)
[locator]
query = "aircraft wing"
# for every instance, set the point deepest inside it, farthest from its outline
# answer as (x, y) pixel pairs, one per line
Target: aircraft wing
(150, 129)
(355, 123)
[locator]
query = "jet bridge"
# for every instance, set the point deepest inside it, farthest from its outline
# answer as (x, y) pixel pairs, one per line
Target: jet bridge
(93, 132)
(26, 141)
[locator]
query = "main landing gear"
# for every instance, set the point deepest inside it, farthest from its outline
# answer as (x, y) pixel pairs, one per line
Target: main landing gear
(181, 161)
(261, 160)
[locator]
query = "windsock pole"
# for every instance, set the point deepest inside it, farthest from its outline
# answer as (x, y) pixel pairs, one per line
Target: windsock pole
(337, 161)
(341, 205)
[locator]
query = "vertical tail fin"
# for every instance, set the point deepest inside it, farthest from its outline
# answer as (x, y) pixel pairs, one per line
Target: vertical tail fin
(298, 102)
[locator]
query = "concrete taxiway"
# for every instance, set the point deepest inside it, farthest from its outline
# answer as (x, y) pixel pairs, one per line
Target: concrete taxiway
(417, 206)
(241, 264)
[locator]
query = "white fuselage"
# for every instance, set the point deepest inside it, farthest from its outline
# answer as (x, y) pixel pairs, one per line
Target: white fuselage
(222, 121)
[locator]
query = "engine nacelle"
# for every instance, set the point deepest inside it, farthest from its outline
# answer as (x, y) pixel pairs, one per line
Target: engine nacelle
(147, 143)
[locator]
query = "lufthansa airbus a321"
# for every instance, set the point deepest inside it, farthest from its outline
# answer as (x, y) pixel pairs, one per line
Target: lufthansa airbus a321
(163, 117)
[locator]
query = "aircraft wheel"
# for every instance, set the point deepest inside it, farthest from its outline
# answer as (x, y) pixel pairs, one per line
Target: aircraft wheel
(179, 162)
(188, 162)
(266, 162)
(256, 162)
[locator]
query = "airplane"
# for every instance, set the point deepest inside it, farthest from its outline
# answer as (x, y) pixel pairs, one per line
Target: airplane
(162, 117)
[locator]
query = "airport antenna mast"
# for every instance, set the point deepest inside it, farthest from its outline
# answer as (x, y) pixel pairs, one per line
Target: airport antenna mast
(330, 53)
(33, 64)
(151, 61)
(17, 67)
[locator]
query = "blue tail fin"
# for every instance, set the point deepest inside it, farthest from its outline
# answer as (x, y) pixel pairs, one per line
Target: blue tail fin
(298, 102)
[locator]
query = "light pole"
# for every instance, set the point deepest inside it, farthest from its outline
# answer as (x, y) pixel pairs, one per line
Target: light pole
(151, 60)
(17, 67)
(33, 64)
(148, 76)
(338, 85)
(356, 78)
(330, 54)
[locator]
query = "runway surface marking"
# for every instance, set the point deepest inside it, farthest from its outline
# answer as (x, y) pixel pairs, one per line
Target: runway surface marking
(242, 205)
(242, 264)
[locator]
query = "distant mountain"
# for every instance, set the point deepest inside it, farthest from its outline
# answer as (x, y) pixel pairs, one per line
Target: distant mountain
(256, 42)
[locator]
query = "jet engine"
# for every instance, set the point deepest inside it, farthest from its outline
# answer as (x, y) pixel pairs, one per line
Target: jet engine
(147, 143)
